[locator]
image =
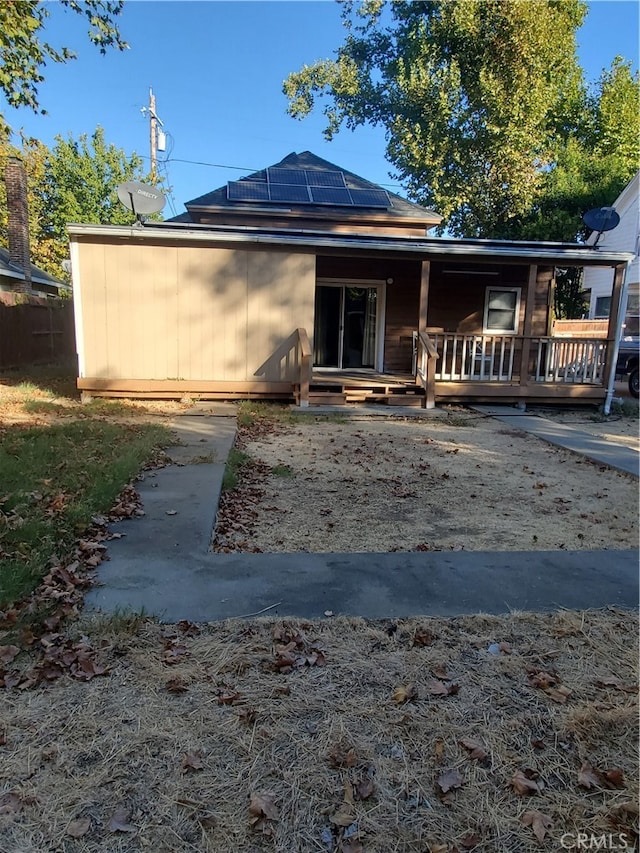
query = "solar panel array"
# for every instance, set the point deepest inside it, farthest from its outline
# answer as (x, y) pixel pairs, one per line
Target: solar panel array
(306, 186)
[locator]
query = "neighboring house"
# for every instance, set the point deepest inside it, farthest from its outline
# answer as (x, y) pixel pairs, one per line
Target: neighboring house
(42, 284)
(17, 273)
(624, 238)
(304, 280)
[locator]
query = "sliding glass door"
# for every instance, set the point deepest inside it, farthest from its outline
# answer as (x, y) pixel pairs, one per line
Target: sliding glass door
(346, 325)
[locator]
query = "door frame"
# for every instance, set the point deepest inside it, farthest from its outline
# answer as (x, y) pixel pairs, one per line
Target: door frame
(380, 286)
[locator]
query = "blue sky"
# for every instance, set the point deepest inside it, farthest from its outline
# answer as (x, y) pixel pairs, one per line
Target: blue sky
(217, 69)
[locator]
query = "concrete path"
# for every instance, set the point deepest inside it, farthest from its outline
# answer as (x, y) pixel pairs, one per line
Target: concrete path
(162, 564)
(617, 456)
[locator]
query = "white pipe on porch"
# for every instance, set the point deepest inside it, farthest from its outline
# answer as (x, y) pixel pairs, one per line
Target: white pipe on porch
(616, 346)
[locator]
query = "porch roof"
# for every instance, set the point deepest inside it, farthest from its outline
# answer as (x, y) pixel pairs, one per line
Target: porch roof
(420, 248)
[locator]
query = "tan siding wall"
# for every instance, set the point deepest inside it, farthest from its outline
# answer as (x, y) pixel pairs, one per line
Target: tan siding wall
(183, 312)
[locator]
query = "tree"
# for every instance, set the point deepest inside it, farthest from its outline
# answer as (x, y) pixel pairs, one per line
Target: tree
(472, 94)
(484, 105)
(487, 115)
(24, 54)
(75, 181)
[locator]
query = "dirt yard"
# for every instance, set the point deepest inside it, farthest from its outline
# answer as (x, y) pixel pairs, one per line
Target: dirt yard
(480, 734)
(455, 481)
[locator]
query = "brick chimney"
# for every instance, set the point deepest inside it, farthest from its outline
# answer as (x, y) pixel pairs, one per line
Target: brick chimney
(18, 221)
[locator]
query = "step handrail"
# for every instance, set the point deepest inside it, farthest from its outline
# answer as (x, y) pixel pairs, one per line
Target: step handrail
(304, 348)
(427, 355)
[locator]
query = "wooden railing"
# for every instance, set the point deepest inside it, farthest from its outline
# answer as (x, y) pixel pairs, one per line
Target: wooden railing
(498, 358)
(426, 358)
(562, 360)
(304, 352)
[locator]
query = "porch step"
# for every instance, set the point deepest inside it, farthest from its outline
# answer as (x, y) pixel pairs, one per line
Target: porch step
(375, 394)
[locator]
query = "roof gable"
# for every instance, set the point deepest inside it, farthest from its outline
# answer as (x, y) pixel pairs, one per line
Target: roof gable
(399, 208)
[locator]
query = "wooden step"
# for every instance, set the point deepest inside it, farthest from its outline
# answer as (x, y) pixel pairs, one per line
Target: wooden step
(326, 398)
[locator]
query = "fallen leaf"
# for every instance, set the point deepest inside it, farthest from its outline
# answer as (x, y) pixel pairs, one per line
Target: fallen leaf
(176, 685)
(79, 827)
(449, 780)
(8, 653)
(540, 824)
(351, 847)
(227, 697)
(614, 778)
(469, 841)
(10, 803)
(588, 777)
(476, 750)
(439, 688)
(365, 788)
(523, 785)
(424, 637)
(439, 750)
(405, 694)
(120, 821)
(612, 681)
(342, 755)
(345, 814)
(192, 761)
(262, 806)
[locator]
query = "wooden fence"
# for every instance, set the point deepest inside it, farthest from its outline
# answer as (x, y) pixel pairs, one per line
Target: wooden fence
(36, 332)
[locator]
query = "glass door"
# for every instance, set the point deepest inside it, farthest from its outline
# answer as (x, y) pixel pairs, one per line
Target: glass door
(346, 319)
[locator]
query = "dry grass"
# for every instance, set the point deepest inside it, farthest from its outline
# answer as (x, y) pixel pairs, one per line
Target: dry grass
(315, 735)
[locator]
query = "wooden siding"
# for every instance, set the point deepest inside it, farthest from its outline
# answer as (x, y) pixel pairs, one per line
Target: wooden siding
(457, 297)
(402, 300)
(192, 313)
(406, 228)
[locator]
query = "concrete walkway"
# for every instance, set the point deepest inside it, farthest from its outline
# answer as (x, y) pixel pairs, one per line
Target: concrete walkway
(617, 456)
(162, 564)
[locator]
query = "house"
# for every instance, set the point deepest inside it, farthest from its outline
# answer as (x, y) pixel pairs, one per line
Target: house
(624, 238)
(41, 283)
(306, 281)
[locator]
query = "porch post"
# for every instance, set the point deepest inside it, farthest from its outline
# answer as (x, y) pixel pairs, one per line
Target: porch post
(430, 365)
(611, 356)
(528, 325)
(424, 296)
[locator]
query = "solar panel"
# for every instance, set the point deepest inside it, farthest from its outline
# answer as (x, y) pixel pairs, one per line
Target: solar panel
(331, 195)
(286, 176)
(247, 191)
(289, 192)
(370, 198)
(325, 179)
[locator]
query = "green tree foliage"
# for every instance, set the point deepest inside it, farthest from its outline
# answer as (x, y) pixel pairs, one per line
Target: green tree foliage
(487, 116)
(24, 52)
(75, 181)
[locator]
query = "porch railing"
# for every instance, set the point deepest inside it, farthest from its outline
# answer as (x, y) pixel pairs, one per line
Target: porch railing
(498, 358)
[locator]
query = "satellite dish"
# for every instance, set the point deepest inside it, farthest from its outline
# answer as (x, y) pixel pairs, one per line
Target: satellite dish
(601, 219)
(142, 199)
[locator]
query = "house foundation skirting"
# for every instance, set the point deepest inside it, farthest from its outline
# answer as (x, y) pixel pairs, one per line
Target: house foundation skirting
(168, 389)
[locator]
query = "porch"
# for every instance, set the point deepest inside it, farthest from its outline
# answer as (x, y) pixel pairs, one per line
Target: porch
(453, 367)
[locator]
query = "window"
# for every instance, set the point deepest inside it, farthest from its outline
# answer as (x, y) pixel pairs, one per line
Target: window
(501, 310)
(603, 307)
(632, 315)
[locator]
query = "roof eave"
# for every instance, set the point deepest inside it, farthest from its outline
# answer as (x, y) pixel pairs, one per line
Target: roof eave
(427, 246)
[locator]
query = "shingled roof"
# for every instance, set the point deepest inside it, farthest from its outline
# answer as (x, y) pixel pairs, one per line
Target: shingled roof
(218, 199)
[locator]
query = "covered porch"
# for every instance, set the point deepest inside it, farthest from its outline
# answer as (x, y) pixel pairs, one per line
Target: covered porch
(473, 327)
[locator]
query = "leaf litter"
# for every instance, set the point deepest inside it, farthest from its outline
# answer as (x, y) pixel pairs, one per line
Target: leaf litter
(259, 757)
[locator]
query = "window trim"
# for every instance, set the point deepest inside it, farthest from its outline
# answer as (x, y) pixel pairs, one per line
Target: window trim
(485, 329)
